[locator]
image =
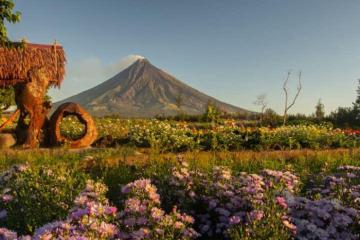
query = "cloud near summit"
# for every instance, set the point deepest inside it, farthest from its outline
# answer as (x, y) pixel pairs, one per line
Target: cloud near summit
(89, 72)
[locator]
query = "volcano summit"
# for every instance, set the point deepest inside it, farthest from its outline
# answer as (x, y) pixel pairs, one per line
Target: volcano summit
(143, 90)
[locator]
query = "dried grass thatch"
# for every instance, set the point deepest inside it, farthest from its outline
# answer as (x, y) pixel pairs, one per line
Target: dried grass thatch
(16, 61)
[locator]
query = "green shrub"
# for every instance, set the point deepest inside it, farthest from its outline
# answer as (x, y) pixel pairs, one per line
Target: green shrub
(32, 197)
(161, 135)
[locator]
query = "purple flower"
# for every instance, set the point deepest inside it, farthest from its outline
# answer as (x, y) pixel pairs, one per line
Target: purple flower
(234, 220)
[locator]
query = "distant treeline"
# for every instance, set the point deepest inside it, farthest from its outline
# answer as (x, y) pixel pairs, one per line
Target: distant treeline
(343, 117)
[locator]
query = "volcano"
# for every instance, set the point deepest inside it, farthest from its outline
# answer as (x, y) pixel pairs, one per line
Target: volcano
(142, 91)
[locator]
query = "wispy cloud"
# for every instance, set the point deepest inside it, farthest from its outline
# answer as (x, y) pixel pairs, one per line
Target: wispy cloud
(88, 73)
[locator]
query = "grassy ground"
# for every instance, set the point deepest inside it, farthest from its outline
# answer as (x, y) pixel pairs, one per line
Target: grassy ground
(66, 170)
(118, 166)
(241, 160)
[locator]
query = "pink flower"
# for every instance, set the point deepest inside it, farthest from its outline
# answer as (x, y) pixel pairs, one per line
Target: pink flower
(157, 213)
(110, 210)
(7, 198)
(281, 201)
(7, 234)
(178, 225)
(256, 215)
(187, 218)
(289, 225)
(132, 205)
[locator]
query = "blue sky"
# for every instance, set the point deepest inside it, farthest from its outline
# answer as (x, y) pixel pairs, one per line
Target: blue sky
(232, 50)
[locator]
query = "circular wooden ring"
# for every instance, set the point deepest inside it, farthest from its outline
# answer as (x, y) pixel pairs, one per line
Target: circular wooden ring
(66, 109)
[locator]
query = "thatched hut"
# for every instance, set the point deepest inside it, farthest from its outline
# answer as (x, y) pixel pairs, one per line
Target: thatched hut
(31, 69)
(16, 61)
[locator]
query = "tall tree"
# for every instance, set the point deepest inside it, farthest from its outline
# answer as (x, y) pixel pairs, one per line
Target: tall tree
(357, 101)
(271, 118)
(286, 91)
(7, 14)
(356, 104)
(348, 116)
(319, 110)
(212, 113)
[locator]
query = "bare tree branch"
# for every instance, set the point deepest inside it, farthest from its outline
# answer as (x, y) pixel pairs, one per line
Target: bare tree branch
(297, 93)
(261, 101)
(299, 87)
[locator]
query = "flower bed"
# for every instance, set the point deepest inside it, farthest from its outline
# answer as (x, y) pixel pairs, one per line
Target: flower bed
(167, 136)
(188, 203)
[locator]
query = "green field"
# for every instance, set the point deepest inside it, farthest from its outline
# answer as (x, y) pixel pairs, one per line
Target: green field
(45, 187)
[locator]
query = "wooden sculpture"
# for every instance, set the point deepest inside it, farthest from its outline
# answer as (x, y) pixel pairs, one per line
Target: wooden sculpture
(31, 69)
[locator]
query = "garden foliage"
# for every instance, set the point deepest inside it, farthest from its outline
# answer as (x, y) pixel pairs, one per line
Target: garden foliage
(199, 204)
(169, 136)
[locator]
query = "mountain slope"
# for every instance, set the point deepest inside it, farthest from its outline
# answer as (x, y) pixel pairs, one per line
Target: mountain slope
(142, 90)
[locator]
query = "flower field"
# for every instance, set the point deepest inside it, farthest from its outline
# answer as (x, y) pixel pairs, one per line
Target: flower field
(130, 152)
(173, 136)
(119, 194)
(151, 179)
(167, 136)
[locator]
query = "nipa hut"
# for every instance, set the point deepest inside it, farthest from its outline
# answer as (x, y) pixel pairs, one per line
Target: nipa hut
(16, 61)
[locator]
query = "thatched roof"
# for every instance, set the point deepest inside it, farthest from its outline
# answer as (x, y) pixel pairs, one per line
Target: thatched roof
(16, 61)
